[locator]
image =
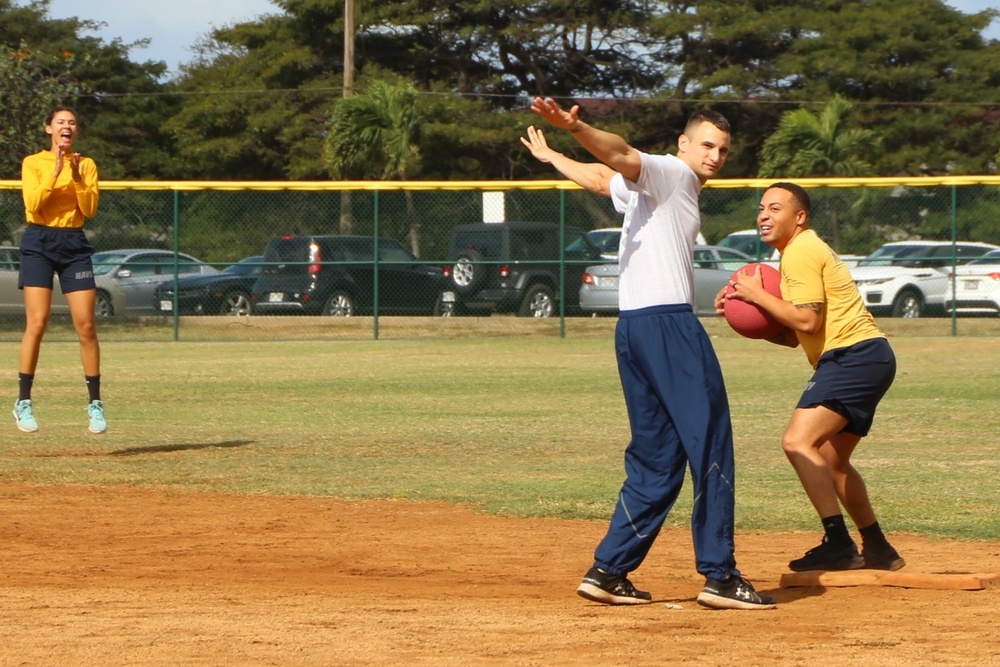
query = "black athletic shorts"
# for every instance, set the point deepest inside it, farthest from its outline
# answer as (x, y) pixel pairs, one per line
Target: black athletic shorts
(46, 251)
(851, 381)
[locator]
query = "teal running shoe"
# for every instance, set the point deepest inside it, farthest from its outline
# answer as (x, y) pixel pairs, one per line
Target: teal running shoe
(24, 417)
(96, 413)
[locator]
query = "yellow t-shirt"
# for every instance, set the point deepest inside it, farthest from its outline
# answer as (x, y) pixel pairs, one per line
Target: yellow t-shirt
(811, 272)
(58, 201)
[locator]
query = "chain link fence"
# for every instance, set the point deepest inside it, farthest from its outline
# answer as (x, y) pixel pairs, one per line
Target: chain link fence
(443, 267)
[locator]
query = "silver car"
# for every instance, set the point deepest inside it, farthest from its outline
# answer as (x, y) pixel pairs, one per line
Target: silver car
(713, 265)
(127, 279)
(11, 298)
(606, 239)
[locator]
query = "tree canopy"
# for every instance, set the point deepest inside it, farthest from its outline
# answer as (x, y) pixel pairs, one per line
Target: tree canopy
(256, 101)
(122, 105)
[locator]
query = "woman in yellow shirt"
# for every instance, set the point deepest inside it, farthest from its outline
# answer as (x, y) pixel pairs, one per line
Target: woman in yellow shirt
(60, 192)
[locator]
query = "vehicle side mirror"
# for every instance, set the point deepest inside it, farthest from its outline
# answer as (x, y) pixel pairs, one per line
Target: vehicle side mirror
(124, 273)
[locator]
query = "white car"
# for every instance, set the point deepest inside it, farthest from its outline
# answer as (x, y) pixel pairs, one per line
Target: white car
(977, 285)
(713, 266)
(910, 278)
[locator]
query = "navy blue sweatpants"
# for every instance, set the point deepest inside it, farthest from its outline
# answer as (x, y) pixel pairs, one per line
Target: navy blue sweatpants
(679, 416)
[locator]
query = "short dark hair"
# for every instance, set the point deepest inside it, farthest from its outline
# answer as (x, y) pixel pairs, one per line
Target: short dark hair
(55, 110)
(707, 116)
(798, 193)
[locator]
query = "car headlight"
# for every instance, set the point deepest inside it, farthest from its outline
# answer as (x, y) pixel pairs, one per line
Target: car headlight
(871, 281)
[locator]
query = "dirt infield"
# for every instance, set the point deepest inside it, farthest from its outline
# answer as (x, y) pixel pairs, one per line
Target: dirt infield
(113, 576)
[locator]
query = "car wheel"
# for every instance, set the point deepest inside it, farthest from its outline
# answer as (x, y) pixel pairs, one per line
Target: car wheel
(103, 306)
(466, 274)
(235, 303)
(340, 304)
(538, 301)
(908, 303)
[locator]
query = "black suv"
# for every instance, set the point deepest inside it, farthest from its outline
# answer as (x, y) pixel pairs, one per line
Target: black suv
(335, 275)
(515, 267)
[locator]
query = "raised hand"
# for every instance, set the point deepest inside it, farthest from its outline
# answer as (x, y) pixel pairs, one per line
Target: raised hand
(74, 163)
(537, 144)
(555, 115)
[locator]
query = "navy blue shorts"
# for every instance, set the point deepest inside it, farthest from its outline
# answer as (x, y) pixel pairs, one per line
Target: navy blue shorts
(851, 381)
(47, 251)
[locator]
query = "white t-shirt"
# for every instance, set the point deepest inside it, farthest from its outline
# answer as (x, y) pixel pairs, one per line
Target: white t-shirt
(662, 221)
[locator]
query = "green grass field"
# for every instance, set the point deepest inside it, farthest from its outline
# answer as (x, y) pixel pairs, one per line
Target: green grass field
(517, 424)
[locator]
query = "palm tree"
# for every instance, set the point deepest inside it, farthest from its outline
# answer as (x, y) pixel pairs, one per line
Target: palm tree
(375, 135)
(806, 145)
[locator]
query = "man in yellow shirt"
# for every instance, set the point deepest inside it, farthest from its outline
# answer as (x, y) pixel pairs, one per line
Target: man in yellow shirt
(854, 366)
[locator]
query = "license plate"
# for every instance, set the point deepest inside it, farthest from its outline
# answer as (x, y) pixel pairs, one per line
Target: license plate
(275, 296)
(167, 305)
(972, 285)
(448, 297)
(608, 281)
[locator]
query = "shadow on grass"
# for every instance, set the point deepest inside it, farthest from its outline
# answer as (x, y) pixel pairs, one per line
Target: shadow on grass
(158, 449)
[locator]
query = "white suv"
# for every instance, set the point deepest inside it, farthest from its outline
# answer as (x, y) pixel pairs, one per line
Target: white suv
(910, 278)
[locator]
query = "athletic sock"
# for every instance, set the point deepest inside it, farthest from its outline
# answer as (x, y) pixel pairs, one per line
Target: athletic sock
(93, 387)
(24, 381)
(873, 536)
(836, 529)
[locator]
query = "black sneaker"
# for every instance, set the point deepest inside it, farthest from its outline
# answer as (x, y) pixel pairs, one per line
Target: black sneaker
(884, 558)
(734, 593)
(829, 556)
(607, 588)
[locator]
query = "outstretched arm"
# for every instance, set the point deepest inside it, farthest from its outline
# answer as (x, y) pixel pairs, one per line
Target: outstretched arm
(592, 176)
(609, 148)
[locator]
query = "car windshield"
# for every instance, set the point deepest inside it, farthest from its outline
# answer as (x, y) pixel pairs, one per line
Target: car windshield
(105, 261)
(748, 244)
(992, 257)
(390, 251)
(244, 267)
(605, 240)
(896, 255)
(287, 255)
(486, 242)
(725, 259)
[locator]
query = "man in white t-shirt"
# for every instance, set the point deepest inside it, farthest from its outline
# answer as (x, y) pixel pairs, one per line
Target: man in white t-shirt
(674, 392)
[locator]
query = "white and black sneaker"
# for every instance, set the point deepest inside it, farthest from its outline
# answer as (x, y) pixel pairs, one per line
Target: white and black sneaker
(607, 588)
(734, 593)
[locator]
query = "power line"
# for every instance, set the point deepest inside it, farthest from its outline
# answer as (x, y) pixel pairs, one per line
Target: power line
(338, 92)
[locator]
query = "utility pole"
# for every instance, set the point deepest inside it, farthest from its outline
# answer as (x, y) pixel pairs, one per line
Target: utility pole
(348, 48)
(346, 216)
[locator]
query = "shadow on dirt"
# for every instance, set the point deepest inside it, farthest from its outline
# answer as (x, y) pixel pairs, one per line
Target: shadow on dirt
(159, 449)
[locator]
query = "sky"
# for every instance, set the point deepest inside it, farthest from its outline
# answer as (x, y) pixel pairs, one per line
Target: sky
(175, 25)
